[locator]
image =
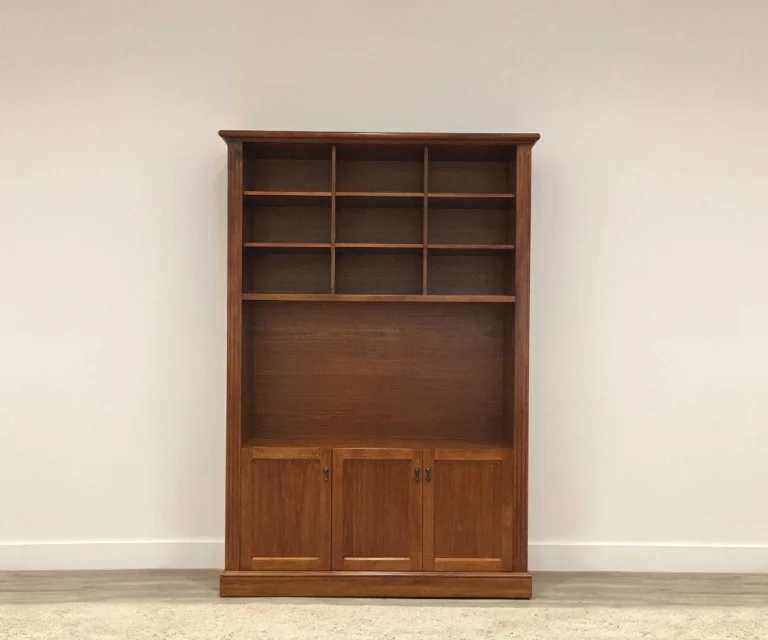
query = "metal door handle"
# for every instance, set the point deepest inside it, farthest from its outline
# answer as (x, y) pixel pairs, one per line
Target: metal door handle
(428, 472)
(416, 473)
(326, 471)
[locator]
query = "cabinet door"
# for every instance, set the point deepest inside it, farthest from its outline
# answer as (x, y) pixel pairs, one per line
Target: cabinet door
(468, 507)
(286, 509)
(377, 509)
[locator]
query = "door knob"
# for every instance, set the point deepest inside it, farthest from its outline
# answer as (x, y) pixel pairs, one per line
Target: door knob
(428, 473)
(416, 473)
(326, 471)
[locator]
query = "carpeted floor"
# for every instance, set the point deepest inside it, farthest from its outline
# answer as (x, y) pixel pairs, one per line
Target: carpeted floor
(277, 621)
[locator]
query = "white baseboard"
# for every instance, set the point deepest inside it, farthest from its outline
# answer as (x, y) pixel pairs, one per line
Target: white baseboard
(544, 556)
(652, 558)
(111, 554)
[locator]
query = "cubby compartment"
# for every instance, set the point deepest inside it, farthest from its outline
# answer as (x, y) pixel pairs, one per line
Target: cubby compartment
(293, 222)
(379, 220)
(481, 225)
(287, 167)
(286, 270)
(468, 272)
(378, 271)
(379, 169)
(472, 169)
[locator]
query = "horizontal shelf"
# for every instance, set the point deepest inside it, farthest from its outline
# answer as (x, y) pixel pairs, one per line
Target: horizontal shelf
(471, 248)
(379, 194)
(344, 297)
(383, 442)
(462, 248)
(373, 245)
(296, 194)
(381, 198)
(284, 198)
(287, 245)
(504, 196)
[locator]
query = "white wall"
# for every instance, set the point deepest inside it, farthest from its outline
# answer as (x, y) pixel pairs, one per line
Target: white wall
(649, 405)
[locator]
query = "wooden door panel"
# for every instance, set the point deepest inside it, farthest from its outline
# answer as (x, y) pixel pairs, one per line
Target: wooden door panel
(377, 510)
(467, 510)
(286, 506)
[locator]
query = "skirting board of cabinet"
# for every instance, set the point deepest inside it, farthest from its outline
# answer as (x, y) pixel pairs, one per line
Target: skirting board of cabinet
(374, 584)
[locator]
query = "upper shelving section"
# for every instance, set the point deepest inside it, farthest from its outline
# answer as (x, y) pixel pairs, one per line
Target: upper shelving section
(359, 217)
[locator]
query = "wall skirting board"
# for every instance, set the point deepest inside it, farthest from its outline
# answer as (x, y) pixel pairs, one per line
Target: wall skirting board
(544, 556)
(111, 554)
(644, 557)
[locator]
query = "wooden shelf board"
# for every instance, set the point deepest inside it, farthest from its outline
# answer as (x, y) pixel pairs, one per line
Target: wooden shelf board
(385, 441)
(470, 200)
(379, 194)
(343, 297)
(507, 196)
(373, 245)
(285, 198)
(293, 194)
(471, 247)
(395, 199)
(287, 245)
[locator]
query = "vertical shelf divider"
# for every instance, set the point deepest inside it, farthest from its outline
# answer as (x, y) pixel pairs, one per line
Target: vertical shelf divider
(333, 219)
(425, 223)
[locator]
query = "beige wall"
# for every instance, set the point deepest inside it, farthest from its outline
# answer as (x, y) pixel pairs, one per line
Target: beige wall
(649, 403)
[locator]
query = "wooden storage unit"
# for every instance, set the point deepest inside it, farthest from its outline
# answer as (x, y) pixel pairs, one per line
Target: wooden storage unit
(378, 448)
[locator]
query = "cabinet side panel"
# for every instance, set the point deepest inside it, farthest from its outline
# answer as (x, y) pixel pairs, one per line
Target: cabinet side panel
(520, 376)
(234, 354)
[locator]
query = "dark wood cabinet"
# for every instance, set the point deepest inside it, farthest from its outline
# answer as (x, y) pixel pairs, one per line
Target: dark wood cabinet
(377, 364)
(468, 510)
(377, 510)
(286, 509)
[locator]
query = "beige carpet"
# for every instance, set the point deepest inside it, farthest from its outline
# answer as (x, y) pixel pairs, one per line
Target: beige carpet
(384, 621)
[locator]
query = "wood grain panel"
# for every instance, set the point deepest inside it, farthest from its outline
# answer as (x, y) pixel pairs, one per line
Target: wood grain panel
(377, 511)
(234, 353)
(334, 216)
(425, 224)
(286, 507)
(468, 510)
(373, 371)
(347, 584)
(521, 364)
